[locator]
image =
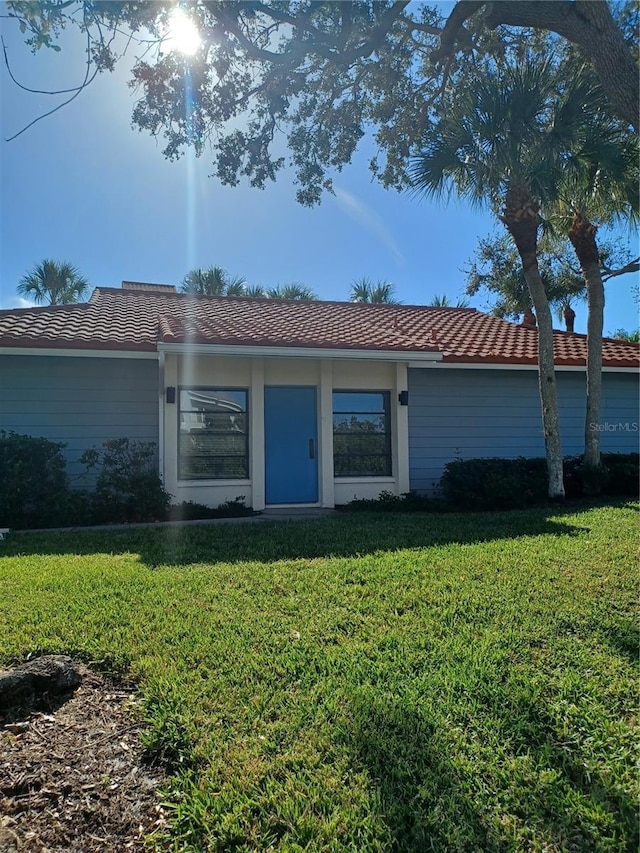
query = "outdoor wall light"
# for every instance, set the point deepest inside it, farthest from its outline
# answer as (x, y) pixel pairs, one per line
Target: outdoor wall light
(403, 398)
(171, 394)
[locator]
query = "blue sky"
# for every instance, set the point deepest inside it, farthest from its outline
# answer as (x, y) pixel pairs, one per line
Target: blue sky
(82, 186)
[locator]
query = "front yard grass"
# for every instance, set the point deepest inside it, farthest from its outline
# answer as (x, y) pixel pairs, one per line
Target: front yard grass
(363, 683)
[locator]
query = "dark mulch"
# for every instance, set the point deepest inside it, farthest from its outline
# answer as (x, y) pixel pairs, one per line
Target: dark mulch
(75, 779)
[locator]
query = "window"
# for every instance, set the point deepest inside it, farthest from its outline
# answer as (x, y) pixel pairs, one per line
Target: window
(361, 434)
(213, 437)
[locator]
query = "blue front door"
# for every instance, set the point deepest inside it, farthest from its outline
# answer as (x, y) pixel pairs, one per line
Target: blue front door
(291, 444)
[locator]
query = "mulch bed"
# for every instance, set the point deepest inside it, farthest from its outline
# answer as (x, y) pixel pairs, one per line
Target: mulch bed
(75, 779)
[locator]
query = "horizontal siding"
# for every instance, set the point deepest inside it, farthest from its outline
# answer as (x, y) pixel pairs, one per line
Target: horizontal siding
(468, 414)
(619, 417)
(73, 398)
(82, 421)
(81, 402)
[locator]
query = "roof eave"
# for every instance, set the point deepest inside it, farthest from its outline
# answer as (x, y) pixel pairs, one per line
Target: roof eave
(56, 343)
(503, 362)
(296, 351)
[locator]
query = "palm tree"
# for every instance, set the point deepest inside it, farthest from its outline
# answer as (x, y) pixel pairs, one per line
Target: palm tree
(564, 284)
(566, 313)
(380, 292)
(255, 291)
(497, 270)
(600, 185)
(499, 144)
(295, 290)
(213, 281)
(443, 301)
(53, 283)
(624, 335)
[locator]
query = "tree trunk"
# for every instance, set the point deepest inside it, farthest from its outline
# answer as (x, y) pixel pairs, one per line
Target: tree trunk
(569, 317)
(586, 23)
(582, 235)
(520, 215)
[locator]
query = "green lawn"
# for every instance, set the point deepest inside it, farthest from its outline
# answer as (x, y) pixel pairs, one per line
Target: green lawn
(365, 682)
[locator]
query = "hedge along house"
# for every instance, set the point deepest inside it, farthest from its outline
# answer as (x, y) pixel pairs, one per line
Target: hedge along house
(290, 402)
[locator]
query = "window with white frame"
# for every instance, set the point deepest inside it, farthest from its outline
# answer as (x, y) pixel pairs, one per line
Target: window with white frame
(213, 439)
(361, 434)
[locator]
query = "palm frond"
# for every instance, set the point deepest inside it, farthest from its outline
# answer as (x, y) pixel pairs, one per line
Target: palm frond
(380, 292)
(54, 283)
(213, 281)
(294, 290)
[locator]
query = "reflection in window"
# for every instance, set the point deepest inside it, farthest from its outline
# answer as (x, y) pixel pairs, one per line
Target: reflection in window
(361, 434)
(213, 437)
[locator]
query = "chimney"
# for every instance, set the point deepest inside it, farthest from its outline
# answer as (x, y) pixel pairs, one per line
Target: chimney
(155, 288)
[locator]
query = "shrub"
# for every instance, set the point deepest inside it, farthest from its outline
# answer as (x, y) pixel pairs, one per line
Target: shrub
(594, 478)
(494, 483)
(515, 483)
(623, 473)
(617, 474)
(128, 487)
(572, 475)
(34, 490)
(190, 510)
(389, 502)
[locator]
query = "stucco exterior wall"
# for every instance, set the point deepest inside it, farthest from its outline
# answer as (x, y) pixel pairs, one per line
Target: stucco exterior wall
(253, 374)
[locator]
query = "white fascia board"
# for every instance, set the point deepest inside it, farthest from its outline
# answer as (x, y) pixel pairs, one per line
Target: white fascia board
(299, 352)
(479, 366)
(80, 353)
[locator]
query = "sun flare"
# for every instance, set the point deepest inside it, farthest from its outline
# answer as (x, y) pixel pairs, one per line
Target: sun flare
(182, 33)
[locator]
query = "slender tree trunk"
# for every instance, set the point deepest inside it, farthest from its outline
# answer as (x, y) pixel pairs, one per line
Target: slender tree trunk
(582, 235)
(520, 215)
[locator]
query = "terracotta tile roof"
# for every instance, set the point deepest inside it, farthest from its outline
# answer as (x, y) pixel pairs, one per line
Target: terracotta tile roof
(137, 319)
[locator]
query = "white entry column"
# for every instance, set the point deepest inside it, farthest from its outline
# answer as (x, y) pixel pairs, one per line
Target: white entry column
(327, 490)
(257, 434)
